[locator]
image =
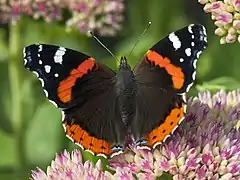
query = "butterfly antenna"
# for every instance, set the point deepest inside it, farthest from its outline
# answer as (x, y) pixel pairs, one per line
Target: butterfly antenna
(103, 45)
(140, 37)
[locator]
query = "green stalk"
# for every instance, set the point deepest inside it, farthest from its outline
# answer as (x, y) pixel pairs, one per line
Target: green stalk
(15, 89)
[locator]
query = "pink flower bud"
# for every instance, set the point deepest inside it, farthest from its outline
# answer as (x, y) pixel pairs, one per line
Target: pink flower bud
(203, 1)
(236, 24)
(220, 31)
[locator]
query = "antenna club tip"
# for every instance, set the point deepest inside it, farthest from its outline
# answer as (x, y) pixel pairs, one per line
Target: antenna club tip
(90, 32)
(149, 22)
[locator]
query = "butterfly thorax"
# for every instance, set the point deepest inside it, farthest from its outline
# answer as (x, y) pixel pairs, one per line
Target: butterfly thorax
(126, 91)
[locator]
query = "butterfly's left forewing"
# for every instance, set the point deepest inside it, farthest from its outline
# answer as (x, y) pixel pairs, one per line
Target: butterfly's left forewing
(163, 76)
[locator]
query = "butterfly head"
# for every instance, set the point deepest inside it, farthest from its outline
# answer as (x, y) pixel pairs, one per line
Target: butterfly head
(124, 64)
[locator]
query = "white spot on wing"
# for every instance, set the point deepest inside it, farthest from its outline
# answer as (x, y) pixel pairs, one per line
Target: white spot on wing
(63, 117)
(25, 61)
(34, 72)
(24, 52)
(40, 62)
(188, 52)
(205, 39)
(190, 28)
(175, 40)
(195, 63)
(181, 60)
(198, 54)
(166, 138)
(53, 103)
(192, 36)
(184, 97)
(174, 129)
(58, 58)
(115, 154)
(189, 86)
(192, 44)
(204, 30)
(40, 48)
(46, 93)
(56, 75)
(194, 75)
(42, 82)
(47, 68)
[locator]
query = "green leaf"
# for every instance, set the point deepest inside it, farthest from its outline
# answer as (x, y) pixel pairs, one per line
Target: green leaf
(8, 150)
(226, 83)
(165, 176)
(3, 46)
(5, 104)
(44, 134)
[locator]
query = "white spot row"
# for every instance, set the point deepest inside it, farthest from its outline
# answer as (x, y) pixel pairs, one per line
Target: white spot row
(188, 52)
(175, 40)
(194, 75)
(47, 68)
(189, 86)
(24, 55)
(24, 52)
(198, 54)
(190, 28)
(40, 48)
(58, 58)
(204, 30)
(195, 63)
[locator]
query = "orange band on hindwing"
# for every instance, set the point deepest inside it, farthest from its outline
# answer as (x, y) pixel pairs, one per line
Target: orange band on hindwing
(159, 134)
(82, 138)
(174, 71)
(64, 90)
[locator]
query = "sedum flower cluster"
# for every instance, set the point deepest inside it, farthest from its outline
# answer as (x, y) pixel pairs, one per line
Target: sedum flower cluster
(101, 16)
(226, 15)
(206, 145)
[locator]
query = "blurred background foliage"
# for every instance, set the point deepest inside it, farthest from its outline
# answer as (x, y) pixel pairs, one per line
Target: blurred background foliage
(30, 126)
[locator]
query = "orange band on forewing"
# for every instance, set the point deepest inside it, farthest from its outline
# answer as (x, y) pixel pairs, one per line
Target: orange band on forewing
(174, 71)
(160, 132)
(81, 137)
(64, 90)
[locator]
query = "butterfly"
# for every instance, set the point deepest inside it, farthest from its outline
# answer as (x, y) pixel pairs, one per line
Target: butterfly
(101, 107)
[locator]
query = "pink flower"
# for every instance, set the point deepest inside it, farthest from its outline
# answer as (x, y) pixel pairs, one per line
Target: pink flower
(205, 146)
(226, 14)
(102, 16)
(67, 166)
(70, 166)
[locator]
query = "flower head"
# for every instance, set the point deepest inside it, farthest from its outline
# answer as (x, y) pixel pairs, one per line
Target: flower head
(70, 166)
(226, 14)
(101, 16)
(11, 10)
(206, 144)
(67, 166)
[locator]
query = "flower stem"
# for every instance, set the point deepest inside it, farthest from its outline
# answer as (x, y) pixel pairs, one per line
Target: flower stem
(15, 89)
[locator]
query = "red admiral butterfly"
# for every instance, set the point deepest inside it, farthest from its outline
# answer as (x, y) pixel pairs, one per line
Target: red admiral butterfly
(100, 106)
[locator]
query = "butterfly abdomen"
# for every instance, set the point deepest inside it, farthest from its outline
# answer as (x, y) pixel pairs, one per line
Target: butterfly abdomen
(126, 93)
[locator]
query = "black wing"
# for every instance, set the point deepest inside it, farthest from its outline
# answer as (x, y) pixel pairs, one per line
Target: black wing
(163, 76)
(84, 90)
